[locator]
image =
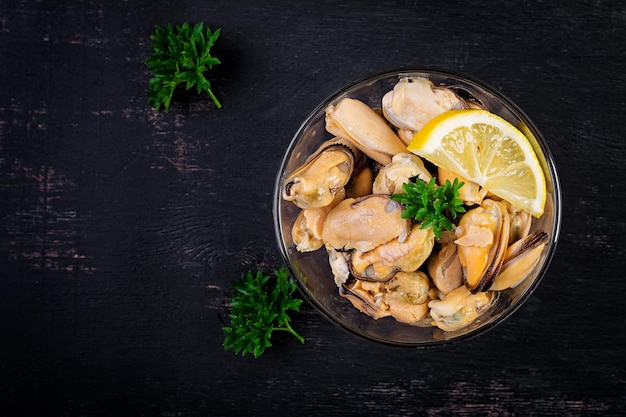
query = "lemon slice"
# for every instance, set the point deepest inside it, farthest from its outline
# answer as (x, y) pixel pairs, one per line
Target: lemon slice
(486, 149)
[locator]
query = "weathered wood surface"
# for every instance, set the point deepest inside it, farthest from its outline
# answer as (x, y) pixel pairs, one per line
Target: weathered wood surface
(121, 229)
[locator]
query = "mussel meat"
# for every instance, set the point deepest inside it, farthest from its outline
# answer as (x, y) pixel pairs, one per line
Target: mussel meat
(317, 182)
(459, 308)
(444, 268)
(306, 231)
(520, 260)
(402, 168)
(354, 120)
(364, 223)
(416, 100)
(384, 261)
(482, 240)
(404, 297)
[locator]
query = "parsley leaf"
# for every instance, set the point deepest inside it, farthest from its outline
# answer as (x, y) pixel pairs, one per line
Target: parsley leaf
(431, 204)
(181, 56)
(260, 305)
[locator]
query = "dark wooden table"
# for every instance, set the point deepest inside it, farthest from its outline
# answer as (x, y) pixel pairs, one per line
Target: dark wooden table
(121, 228)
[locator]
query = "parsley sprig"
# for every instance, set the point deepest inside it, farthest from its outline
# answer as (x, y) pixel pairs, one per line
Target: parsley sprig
(181, 56)
(260, 305)
(431, 204)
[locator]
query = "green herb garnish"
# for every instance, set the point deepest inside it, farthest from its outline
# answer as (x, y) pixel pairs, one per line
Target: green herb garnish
(431, 204)
(181, 56)
(259, 307)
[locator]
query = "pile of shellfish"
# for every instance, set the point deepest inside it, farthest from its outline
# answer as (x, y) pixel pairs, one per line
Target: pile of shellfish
(387, 265)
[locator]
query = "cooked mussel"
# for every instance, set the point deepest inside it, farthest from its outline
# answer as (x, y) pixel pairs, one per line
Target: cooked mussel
(482, 240)
(459, 308)
(354, 120)
(404, 297)
(316, 183)
(445, 269)
(384, 261)
(520, 260)
(306, 231)
(364, 223)
(402, 168)
(470, 193)
(416, 100)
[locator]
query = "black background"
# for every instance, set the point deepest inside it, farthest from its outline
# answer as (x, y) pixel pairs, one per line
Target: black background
(121, 228)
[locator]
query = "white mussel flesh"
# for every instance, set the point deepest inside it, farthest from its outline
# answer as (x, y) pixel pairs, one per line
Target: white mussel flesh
(354, 120)
(317, 182)
(482, 240)
(459, 308)
(339, 266)
(364, 223)
(402, 168)
(384, 261)
(416, 100)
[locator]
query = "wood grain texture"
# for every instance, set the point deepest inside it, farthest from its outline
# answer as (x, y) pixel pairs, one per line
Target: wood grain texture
(121, 229)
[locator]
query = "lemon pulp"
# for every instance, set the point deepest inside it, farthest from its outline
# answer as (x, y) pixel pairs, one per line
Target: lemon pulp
(486, 149)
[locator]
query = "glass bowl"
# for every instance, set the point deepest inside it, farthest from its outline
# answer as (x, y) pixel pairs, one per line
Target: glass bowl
(311, 270)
